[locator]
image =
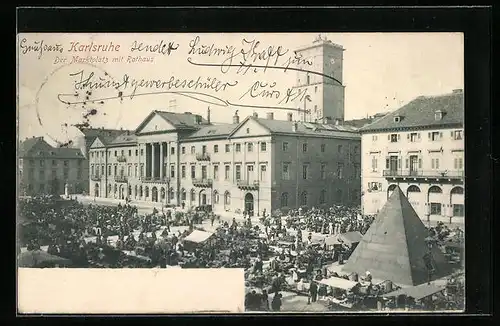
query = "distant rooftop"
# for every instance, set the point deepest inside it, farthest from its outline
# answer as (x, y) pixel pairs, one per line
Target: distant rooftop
(38, 147)
(423, 112)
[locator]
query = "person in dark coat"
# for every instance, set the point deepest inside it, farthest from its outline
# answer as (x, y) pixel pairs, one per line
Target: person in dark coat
(265, 300)
(313, 291)
(276, 303)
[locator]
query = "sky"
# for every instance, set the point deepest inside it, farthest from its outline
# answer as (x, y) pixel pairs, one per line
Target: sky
(381, 72)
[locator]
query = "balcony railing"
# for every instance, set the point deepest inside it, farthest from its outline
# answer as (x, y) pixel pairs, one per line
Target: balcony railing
(155, 179)
(121, 178)
(95, 177)
(247, 185)
(433, 174)
(204, 183)
(203, 157)
(121, 158)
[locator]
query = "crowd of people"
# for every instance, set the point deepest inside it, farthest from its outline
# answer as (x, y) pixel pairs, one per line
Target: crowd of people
(277, 250)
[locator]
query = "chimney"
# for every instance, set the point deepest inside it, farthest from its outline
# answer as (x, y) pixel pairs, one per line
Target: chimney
(255, 115)
(236, 118)
(295, 126)
(270, 116)
(289, 116)
(208, 114)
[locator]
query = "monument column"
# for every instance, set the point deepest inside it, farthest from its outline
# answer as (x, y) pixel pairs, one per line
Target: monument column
(152, 160)
(161, 160)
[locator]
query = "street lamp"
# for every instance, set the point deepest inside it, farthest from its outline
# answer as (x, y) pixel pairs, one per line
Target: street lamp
(428, 214)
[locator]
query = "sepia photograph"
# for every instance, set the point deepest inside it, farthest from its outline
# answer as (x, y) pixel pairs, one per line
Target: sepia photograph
(240, 172)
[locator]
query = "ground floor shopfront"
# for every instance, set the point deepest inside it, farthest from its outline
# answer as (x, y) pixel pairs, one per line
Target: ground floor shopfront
(441, 201)
(229, 199)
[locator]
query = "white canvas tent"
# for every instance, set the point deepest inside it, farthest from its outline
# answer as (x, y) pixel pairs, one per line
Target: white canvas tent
(198, 236)
(339, 283)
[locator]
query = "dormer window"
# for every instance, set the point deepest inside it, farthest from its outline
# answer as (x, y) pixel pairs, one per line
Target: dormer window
(397, 118)
(438, 115)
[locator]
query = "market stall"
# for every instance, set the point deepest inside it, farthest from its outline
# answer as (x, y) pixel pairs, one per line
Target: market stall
(340, 291)
(417, 296)
(198, 238)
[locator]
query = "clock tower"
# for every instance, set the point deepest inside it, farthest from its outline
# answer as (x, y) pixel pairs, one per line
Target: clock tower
(323, 83)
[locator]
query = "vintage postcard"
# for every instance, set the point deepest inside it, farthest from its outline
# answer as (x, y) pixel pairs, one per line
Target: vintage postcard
(230, 172)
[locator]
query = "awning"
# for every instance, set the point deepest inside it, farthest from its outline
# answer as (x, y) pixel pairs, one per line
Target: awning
(339, 283)
(351, 237)
(417, 292)
(198, 236)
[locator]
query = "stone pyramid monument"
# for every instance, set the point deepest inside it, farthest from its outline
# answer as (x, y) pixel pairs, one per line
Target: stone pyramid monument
(394, 247)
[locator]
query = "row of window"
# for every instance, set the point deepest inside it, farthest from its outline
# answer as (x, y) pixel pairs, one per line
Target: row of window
(227, 149)
(414, 162)
(53, 175)
(287, 175)
(52, 187)
(416, 136)
(54, 163)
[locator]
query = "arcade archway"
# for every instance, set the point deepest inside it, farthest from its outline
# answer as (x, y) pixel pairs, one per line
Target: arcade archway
(249, 204)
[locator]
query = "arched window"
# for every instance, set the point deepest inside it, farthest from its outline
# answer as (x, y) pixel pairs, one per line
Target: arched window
(135, 191)
(171, 193)
(116, 189)
(227, 198)
(303, 198)
(192, 195)
(413, 188)
(162, 193)
(457, 191)
(322, 197)
(216, 197)
(109, 188)
(183, 194)
(284, 199)
(391, 188)
(140, 191)
(146, 191)
(435, 190)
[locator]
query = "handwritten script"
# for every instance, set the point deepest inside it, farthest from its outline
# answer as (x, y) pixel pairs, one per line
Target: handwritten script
(252, 56)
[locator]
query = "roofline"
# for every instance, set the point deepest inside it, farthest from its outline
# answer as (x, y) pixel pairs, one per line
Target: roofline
(144, 122)
(243, 122)
(310, 46)
(411, 128)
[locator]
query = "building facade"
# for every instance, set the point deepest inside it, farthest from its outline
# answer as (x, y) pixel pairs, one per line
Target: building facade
(44, 169)
(420, 148)
(250, 165)
(88, 137)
